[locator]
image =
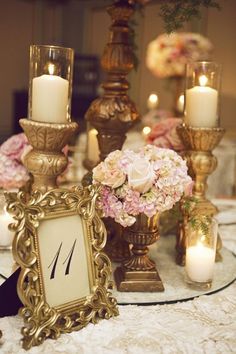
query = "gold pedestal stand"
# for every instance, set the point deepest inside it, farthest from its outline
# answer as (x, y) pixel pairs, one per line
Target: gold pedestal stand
(199, 143)
(46, 161)
(113, 114)
(139, 273)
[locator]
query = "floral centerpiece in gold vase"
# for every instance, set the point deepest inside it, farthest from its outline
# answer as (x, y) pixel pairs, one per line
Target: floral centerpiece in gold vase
(168, 54)
(135, 188)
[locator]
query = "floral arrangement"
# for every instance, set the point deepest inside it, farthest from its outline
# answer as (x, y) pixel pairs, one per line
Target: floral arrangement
(148, 181)
(168, 53)
(154, 115)
(12, 172)
(164, 134)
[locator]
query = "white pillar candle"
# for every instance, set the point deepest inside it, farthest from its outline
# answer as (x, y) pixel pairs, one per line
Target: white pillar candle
(50, 99)
(200, 263)
(201, 105)
(93, 149)
(6, 236)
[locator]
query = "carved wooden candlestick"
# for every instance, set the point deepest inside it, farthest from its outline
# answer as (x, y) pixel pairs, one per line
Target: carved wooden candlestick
(139, 273)
(114, 113)
(199, 143)
(46, 161)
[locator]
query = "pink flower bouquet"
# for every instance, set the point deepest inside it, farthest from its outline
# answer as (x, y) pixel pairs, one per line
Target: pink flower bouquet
(164, 134)
(12, 172)
(168, 53)
(148, 181)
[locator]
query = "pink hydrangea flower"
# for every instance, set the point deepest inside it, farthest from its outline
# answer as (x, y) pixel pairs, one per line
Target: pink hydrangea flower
(14, 146)
(12, 174)
(155, 187)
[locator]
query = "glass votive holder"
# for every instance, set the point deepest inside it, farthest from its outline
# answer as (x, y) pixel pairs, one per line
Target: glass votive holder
(6, 236)
(202, 94)
(200, 252)
(50, 83)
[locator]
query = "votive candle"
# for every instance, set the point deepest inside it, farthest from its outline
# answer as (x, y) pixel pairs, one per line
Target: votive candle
(201, 237)
(200, 263)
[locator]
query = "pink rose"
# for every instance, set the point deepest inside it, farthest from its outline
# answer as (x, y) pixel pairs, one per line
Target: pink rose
(174, 140)
(164, 134)
(14, 146)
(113, 178)
(162, 142)
(163, 127)
(141, 175)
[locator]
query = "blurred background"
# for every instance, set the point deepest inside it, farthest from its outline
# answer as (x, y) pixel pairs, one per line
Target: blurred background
(83, 25)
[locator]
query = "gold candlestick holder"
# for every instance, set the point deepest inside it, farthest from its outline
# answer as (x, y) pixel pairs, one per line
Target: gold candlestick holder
(46, 161)
(199, 143)
(114, 113)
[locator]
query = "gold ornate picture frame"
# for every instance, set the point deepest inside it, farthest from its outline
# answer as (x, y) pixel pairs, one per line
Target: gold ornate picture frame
(64, 278)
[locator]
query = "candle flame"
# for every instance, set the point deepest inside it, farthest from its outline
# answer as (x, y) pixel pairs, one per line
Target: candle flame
(203, 80)
(51, 69)
(153, 98)
(146, 130)
(93, 131)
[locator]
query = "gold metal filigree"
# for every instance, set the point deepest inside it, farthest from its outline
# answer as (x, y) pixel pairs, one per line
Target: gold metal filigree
(42, 321)
(46, 161)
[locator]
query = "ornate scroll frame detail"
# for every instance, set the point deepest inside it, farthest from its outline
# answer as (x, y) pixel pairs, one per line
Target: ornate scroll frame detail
(40, 320)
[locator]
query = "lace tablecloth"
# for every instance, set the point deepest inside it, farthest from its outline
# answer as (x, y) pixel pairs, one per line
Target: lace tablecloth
(204, 325)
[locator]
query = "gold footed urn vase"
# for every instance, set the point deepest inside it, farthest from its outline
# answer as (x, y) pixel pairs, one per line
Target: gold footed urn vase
(138, 272)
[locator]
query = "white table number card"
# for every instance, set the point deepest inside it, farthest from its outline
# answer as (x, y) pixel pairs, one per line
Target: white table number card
(64, 279)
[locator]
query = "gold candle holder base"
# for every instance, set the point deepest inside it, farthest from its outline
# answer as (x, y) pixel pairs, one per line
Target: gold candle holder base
(199, 143)
(138, 281)
(139, 273)
(46, 161)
